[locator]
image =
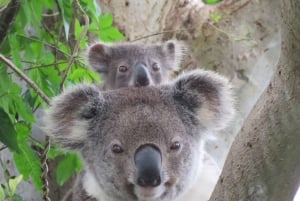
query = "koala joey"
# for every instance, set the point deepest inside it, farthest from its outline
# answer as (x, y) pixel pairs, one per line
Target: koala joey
(133, 64)
(139, 143)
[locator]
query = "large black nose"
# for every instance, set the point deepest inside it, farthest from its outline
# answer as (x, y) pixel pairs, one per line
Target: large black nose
(148, 164)
(141, 77)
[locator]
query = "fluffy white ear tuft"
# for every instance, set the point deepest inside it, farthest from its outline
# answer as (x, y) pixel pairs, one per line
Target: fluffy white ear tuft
(98, 56)
(207, 95)
(174, 51)
(67, 119)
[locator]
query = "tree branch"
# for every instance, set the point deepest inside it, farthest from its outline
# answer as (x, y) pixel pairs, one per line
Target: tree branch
(7, 17)
(76, 47)
(263, 163)
(25, 78)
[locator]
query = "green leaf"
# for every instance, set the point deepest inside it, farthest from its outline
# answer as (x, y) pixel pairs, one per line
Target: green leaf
(18, 198)
(66, 12)
(215, 17)
(8, 134)
(105, 21)
(211, 1)
(54, 152)
(15, 50)
(2, 195)
(110, 35)
(4, 3)
(28, 164)
(21, 107)
(13, 184)
(69, 165)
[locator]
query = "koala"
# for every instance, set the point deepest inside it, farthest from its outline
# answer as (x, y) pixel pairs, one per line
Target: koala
(140, 143)
(132, 64)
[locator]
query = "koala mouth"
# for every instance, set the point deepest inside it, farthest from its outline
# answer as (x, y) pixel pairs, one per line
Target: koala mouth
(149, 192)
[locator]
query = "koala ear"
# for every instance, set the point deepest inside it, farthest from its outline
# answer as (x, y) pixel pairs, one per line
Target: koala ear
(207, 96)
(174, 51)
(98, 56)
(66, 121)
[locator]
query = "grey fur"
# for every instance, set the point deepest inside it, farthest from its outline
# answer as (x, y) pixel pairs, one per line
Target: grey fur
(91, 121)
(107, 59)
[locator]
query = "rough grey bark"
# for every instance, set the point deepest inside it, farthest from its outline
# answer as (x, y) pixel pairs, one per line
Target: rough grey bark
(263, 163)
(7, 16)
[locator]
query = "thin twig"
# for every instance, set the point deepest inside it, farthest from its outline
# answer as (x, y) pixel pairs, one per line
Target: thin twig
(2, 148)
(25, 78)
(76, 47)
(155, 34)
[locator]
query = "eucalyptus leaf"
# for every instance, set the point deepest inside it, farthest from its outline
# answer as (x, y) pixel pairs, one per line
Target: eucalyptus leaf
(8, 134)
(68, 166)
(211, 1)
(2, 194)
(13, 183)
(29, 165)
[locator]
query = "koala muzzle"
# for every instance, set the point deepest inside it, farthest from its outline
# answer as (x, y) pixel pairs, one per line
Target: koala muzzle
(148, 165)
(141, 77)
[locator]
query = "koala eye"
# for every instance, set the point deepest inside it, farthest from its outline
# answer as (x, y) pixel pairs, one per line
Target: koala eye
(117, 149)
(123, 69)
(175, 146)
(155, 67)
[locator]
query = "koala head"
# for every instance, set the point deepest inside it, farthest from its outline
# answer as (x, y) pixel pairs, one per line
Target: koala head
(142, 143)
(132, 64)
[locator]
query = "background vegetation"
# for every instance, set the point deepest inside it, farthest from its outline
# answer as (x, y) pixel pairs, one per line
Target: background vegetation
(46, 43)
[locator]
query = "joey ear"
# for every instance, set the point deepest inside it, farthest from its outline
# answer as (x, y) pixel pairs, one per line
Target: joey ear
(67, 120)
(207, 96)
(98, 56)
(174, 51)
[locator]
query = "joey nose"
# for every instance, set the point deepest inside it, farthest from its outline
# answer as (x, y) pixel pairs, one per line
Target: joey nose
(148, 165)
(141, 77)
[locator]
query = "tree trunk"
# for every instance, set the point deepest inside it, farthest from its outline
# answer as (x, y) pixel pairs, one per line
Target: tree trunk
(264, 161)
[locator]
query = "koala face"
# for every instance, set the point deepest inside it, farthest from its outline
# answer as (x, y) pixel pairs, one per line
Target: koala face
(141, 144)
(131, 64)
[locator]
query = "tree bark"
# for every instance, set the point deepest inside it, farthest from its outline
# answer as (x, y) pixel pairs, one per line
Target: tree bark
(263, 163)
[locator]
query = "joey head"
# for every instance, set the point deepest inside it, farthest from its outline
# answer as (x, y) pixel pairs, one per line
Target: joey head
(133, 64)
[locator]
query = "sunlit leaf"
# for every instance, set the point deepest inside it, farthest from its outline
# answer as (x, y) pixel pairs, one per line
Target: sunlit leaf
(4, 3)
(13, 183)
(110, 35)
(2, 194)
(105, 21)
(211, 1)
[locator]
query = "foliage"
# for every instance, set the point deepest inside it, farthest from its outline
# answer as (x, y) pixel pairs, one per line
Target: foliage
(211, 1)
(215, 17)
(41, 44)
(8, 189)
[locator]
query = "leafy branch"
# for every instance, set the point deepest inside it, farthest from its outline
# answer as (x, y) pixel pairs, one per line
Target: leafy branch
(25, 78)
(76, 47)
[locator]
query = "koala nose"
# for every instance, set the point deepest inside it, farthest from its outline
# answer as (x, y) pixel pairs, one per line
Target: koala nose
(148, 164)
(141, 77)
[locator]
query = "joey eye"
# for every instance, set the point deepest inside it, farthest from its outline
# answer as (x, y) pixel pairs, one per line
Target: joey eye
(123, 69)
(117, 149)
(155, 67)
(175, 146)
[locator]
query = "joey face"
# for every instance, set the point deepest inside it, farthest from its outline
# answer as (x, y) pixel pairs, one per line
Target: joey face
(130, 64)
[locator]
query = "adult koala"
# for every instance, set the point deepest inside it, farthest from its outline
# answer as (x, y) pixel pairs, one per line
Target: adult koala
(143, 143)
